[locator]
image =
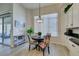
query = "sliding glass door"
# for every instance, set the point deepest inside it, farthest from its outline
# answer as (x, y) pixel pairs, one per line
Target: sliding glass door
(5, 29)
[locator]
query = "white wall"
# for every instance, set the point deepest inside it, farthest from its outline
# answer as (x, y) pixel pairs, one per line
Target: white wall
(22, 15)
(62, 17)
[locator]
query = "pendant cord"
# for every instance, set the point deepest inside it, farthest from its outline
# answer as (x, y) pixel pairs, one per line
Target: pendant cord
(39, 12)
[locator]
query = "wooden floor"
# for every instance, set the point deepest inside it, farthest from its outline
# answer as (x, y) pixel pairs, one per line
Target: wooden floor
(22, 50)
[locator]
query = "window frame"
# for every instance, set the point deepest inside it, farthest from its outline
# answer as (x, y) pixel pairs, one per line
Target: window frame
(56, 23)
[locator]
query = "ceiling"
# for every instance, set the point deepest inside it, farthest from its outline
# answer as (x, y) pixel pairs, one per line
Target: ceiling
(35, 5)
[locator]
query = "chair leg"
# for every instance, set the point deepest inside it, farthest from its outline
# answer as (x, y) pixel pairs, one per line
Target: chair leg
(43, 51)
(48, 50)
(29, 47)
(39, 48)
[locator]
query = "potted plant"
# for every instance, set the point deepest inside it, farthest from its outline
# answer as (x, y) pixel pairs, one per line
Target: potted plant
(68, 7)
(30, 31)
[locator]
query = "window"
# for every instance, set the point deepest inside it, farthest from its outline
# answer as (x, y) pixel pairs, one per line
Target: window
(49, 24)
(0, 26)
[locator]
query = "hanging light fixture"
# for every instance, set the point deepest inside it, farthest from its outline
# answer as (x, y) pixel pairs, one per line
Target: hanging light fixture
(39, 20)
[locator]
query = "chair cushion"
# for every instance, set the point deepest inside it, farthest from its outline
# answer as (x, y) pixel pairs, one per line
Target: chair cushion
(42, 45)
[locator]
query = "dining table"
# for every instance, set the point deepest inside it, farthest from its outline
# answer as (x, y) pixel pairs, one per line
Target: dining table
(38, 39)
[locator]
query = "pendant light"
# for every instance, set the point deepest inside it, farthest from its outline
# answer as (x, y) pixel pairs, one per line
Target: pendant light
(39, 20)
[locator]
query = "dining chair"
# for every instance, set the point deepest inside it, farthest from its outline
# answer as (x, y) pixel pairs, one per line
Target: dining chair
(31, 41)
(45, 44)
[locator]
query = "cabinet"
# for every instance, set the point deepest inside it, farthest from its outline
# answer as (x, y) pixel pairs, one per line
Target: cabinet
(72, 21)
(76, 15)
(72, 17)
(73, 48)
(68, 18)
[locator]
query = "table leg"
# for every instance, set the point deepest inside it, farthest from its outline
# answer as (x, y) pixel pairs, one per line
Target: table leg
(35, 47)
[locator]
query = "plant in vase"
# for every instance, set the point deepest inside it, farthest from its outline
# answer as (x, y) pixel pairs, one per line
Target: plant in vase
(30, 31)
(39, 34)
(67, 7)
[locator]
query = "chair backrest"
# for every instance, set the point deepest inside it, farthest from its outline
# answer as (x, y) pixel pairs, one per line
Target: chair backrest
(47, 39)
(48, 35)
(29, 38)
